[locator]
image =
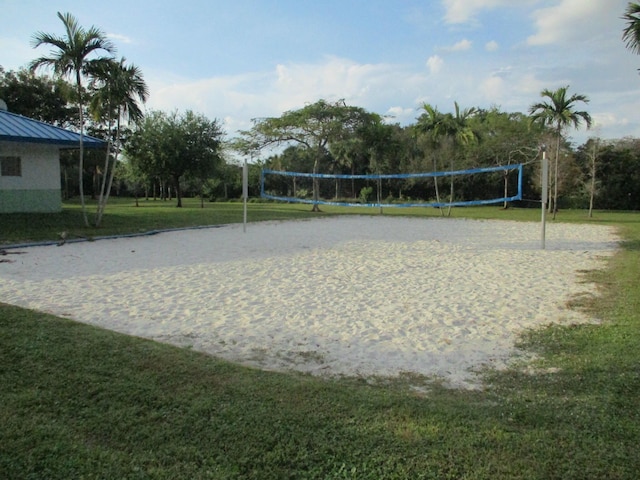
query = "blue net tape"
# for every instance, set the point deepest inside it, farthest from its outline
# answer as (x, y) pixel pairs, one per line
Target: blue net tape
(517, 196)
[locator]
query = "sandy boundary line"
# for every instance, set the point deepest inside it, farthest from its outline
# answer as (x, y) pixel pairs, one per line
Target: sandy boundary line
(353, 295)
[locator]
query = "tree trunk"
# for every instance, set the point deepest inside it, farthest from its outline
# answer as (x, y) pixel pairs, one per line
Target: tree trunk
(450, 190)
(176, 180)
(593, 178)
(353, 182)
(316, 187)
(435, 181)
(506, 189)
(105, 191)
(81, 160)
(555, 186)
(103, 186)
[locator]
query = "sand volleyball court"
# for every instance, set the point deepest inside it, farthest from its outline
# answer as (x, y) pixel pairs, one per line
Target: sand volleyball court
(353, 295)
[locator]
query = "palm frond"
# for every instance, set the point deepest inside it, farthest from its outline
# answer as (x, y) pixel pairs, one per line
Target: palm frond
(631, 34)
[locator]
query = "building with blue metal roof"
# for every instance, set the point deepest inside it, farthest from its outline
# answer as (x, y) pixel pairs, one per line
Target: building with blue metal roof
(30, 162)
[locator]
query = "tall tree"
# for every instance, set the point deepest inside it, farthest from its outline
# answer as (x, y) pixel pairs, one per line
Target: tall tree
(117, 89)
(454, 128)
(314, 127)
(559, 112)
(428, 125)
(69, 57)
(593, 148)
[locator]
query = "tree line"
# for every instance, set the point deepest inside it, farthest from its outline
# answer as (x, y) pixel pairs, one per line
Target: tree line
(174, 154)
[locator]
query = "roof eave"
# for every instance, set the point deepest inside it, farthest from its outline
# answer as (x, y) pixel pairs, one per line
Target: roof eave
(88, 142)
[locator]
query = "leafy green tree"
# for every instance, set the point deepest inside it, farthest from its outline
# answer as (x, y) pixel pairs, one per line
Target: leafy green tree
(559, 112)
(313, 127)
(505, 139)
(618, 172)
(172, 146)
(38, 96)
(372, 148)
(117, 88)
(69, 58)
(592, 151)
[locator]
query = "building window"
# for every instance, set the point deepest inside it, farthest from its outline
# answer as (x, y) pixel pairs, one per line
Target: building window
(10, 167)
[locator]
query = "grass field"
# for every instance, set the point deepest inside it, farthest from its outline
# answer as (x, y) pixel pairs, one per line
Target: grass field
(80, 402)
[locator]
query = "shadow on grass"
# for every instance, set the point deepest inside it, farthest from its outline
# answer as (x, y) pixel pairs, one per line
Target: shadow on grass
(630, 245)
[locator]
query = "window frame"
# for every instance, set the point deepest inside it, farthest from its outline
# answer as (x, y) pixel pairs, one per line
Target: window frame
(10, 166)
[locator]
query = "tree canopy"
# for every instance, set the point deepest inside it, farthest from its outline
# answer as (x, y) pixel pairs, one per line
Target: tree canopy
(39, 97)
(314, 126)
(172, 146)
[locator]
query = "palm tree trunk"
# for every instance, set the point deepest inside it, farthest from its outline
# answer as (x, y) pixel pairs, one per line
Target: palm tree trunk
(105, 176)
(81, 160)
(103, 185)
(435, 182)
(104, 194)
(451, 190)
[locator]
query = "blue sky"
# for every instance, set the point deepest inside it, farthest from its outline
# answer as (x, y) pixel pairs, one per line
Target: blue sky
(235, 60)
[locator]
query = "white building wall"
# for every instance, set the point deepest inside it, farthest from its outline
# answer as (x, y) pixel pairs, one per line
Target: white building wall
(37, 189)
(40, 166)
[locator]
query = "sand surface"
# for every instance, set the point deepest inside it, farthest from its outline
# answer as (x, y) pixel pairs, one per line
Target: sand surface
(332, 296)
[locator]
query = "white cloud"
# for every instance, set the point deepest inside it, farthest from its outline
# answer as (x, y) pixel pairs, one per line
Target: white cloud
(400, 114)
(493, 89)
(463, 11)
(572, 20)
(460, 46)
(434, 63)
(119, 38)
(491, 46)
(377, 87)
(607, 120)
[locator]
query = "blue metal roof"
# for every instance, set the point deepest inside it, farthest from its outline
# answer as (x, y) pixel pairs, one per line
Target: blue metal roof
(16, 128)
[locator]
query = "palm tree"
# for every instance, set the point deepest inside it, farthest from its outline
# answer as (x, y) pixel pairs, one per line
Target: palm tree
(429, 123)
(69, 58)
(631, 34)
(559, 112)
(452, 127)
(118, 88)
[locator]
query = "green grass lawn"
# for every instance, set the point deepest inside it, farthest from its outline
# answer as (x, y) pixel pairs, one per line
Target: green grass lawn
(81, 402)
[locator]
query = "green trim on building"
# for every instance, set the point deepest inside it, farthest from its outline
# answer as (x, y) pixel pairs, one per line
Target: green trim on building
(44, 201)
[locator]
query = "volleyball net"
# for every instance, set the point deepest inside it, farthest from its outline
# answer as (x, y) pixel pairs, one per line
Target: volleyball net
(476, 186)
